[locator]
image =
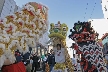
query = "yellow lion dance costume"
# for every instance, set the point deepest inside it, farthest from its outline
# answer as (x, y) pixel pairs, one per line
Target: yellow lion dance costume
(58, 33)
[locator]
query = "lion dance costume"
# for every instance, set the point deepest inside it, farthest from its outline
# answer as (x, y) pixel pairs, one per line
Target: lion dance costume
(20, 31)
(86, 45)
(58, 33)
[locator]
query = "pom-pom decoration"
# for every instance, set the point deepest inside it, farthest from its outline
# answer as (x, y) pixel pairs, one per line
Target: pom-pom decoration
(21, 30)
(87, 44)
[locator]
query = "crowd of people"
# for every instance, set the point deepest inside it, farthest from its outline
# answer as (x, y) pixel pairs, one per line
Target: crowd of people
(39, 63)
(34, 62)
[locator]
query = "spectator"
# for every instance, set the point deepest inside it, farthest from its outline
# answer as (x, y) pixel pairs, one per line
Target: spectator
(18, 56)
(44, 59)
(51, 59)
(39, 61)
(78, 66)
(74, 62)
(29, 66)
(35, 63)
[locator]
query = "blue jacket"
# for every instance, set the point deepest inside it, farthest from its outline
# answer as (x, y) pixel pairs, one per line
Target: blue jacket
(22, 57)
(18, 56)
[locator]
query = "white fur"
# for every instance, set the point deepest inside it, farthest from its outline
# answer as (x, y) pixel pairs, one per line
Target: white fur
(15, 34)
(2, 59)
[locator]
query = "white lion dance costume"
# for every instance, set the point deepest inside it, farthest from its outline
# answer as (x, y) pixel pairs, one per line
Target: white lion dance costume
(20, 31)
(86, 45)
(58, 34)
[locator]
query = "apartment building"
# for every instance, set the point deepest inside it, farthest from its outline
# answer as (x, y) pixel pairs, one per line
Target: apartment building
(104, 4)
(7, 7)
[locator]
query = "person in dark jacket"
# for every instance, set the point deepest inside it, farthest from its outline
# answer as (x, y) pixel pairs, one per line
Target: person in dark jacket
(35, 62)
(51, 59)
(18, 56)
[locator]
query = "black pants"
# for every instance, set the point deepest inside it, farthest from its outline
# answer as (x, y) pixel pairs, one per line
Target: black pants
(43, 66)
(34, 65)
(38, 65)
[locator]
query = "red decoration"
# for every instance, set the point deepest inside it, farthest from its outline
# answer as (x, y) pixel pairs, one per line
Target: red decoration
(32, 25)
(101, 69)
(82, 36)
(10, 27)
(85, 67)
(20, 23)
(39, 6)
(81, 63)
(97, 52)
(100, 43)
(28, 31)
(31, 13)
(75, 47)
(86, 24)
(96, 60)
(11, 16)
(80, 40)
(79, 52)
(93, 66)
(1, 20)
(59, 54)
(86, 53)
(85, 29)
(17, 67)
(91, 52)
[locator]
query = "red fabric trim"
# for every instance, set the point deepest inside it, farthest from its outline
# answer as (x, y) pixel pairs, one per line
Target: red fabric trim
(18, 67)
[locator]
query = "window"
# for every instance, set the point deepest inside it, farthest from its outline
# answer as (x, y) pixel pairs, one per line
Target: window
(105, 8)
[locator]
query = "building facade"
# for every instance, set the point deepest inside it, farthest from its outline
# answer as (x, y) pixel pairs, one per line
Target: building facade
(100, 26)
(17, 8)
(42, 46)
(7, 7)
(104, 4)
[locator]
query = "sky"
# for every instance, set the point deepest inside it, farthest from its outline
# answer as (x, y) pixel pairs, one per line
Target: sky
(69, 11)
